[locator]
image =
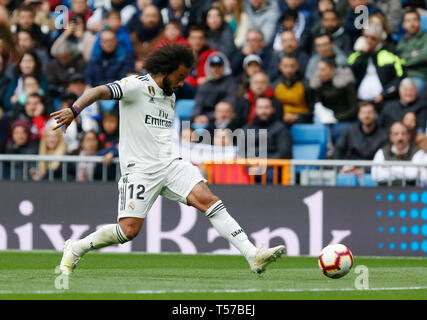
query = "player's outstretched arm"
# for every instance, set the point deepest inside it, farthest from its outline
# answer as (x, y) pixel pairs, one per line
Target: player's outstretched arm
(65, 116)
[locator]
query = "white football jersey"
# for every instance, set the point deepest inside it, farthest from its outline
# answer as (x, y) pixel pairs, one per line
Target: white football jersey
(146, 116)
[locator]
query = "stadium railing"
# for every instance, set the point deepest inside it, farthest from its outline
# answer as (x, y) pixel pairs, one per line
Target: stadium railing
(237, 171)
(9, 165)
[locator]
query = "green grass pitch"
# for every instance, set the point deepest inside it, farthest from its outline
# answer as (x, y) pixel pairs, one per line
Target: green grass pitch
(31, 275)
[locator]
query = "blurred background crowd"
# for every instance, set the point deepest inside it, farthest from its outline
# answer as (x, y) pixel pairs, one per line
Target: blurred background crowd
(261, 64)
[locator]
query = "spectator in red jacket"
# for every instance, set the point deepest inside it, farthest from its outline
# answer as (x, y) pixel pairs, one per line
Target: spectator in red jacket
(173, 34)
(34, 112)
(245, 106)
(198, 42)
(80, 7)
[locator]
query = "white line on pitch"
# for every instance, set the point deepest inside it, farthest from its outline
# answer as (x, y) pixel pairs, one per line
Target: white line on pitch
(250, 290)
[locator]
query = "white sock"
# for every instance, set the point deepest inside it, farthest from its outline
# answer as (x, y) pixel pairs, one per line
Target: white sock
(103, 237)
(230, 230)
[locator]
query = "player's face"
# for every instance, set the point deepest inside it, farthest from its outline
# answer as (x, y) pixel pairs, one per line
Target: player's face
(175, 80)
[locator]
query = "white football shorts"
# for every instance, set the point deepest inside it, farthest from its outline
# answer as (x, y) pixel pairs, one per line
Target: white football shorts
(138, 191)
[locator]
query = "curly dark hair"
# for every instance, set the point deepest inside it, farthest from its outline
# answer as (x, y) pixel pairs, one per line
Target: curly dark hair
(167, 58)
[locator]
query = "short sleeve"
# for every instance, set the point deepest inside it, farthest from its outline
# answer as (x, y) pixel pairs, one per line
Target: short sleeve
(124, 88)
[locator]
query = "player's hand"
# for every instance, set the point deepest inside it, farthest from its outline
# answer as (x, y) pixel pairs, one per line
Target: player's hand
(63, 117)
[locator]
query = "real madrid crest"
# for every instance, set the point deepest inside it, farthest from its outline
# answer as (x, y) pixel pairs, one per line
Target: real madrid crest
(152, 92)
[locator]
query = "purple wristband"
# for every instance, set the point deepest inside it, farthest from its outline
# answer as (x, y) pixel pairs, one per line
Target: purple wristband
(77, 109)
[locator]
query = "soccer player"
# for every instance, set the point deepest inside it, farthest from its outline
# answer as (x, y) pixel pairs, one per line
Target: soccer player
(149, 167)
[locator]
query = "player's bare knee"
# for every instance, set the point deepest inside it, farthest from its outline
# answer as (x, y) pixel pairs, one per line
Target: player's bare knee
(130, 232)
(130, 227)
(211, 200)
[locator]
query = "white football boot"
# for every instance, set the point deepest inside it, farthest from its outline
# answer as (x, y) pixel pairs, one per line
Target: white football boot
(263, 257)
(69, 258)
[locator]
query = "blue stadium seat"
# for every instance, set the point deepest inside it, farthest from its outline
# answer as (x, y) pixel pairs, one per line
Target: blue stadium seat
(424, 23)
(367, 181)
(184, 108)
(309, 141)
(347, 180)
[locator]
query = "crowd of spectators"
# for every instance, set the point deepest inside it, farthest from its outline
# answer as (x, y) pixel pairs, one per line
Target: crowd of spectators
(259, 64)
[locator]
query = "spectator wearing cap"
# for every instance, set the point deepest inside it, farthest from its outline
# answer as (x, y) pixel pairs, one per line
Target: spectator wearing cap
(77, 34)
(263, 15)
(251, 65)
(325, 49)
(377, 70)
(65, 63)
(255, 44)
(112, 63)
(413, 48)
(219, 33)
(290, 46)
(20, 143)
(291, 92)
(220, 87)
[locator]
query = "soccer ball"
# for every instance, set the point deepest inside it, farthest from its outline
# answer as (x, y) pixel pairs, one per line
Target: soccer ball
(335, 260)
